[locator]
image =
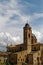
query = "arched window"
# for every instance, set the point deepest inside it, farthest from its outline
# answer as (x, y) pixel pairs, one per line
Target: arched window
(32, 41)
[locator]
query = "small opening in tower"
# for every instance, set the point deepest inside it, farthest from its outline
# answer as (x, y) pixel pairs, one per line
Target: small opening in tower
(29, 35)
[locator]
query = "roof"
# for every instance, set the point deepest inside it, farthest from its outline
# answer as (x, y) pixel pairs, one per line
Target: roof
(17, 48)
(40, 44)
(3, 53)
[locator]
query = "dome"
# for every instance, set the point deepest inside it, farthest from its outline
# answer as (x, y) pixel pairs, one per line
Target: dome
(27, 25)
(33, 36)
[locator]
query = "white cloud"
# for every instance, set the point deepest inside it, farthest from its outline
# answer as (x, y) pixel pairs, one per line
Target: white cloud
(38, 35)
(10, 8)
(7, 38)
(36, 16)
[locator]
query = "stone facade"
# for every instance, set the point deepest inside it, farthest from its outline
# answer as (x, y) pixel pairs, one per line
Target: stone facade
(30, 52)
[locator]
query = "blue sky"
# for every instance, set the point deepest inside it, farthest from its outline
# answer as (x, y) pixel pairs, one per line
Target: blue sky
(13, 16)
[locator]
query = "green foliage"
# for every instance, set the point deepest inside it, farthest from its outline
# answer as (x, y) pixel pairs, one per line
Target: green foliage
(5, 63)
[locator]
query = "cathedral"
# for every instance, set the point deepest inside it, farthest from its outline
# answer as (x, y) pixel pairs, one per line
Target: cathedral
(30, 52)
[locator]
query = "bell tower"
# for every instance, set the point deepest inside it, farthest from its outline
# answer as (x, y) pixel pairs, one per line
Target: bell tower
(27, 35)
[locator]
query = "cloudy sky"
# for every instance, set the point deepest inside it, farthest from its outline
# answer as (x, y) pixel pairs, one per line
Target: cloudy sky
(13, 16)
